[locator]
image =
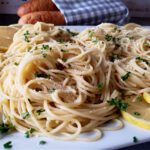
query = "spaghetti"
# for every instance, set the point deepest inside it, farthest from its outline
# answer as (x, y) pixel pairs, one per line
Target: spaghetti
(58, 83)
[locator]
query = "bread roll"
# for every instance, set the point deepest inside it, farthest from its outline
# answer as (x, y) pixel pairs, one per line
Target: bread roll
(55, 17)
(36, 5)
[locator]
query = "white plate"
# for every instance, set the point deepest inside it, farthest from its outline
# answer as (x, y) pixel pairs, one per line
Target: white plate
(110, 140)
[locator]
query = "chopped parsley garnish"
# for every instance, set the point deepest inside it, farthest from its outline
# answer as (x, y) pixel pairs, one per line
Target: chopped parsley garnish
(72, 33)
(44, 55)
(91, 34)
(115, 56)
(36, 33)
(64, 60)
(139, 98)
(100, 86)
(26, 38)
(108, 37)
(27, 134)
(52, 90)
(135, 139)
(45, 47)
(8, 145)
(62, 50)
(29, 99)
(35, 48)
(32, 130)
(5, 127)
(26, 114)
(102, 42)
(126, 76)
(144, 60)
(27, 33)
(118, 103)
(116, 29)
(42, 142)
(40, 75)
(15, 63)
(143, 74)
(137, 113)
(39, 111)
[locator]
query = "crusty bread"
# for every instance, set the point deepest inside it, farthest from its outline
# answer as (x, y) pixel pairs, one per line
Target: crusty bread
(55, 17)
(36, 5)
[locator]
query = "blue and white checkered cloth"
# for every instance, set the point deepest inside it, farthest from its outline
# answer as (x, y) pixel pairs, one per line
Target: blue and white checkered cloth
(93, 12)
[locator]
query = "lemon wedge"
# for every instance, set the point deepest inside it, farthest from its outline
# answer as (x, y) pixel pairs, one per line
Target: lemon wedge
(131, 26)
(137, 113)
(146, 97)
(6, 37)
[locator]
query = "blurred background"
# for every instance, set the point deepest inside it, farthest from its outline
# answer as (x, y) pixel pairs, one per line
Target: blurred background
(139, 11)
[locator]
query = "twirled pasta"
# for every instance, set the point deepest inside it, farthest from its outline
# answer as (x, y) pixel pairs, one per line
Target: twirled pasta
(59, 83)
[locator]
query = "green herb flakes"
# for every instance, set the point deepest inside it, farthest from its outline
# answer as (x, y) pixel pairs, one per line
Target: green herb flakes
(40, 75)
(44, 55)
(144, 60)
(116, 29)
(139, 98)
(108, 37)
(126, 76)
(52, 90)
(5, 127)
(27, 135)
(62, 50)
(42, 142)
(122, 105)
(39, 111)
(44, 47)
(32, 130)
(91, 34)
(27, 33)
(100, 86)
(137, 113)
(26, 114)
(115, 56)
(135, 140)
(7, 145)
(26, 38)
(15, 63)
(29, 100)
(35, 48)
(72, 33)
